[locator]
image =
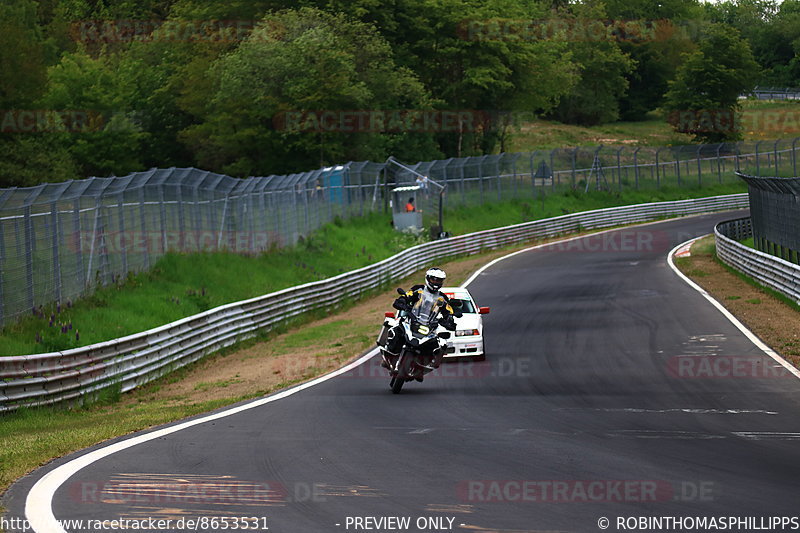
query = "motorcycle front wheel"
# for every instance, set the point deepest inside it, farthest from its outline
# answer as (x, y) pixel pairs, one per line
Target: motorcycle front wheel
(396, 384)
(404, 368)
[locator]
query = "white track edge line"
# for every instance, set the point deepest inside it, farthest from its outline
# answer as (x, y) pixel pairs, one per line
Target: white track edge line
(735, 321)
(38, 503)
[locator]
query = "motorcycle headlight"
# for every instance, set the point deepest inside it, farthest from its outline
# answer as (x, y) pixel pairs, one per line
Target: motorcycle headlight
(466, 332)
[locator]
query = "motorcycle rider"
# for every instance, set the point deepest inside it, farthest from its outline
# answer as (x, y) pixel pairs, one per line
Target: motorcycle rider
(424, 301)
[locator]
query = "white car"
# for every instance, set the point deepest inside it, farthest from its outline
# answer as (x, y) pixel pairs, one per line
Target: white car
(467, 341)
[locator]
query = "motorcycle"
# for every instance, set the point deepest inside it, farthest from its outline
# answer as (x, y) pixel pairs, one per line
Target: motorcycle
(422, 351)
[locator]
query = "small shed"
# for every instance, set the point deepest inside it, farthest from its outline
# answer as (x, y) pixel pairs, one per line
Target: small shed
(402, 216)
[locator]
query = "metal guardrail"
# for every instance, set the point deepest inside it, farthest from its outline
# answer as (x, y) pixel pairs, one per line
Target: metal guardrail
(134, 360)
(769, 270)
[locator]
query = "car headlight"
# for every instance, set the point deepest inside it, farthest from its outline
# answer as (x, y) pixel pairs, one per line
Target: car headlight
(466, 332)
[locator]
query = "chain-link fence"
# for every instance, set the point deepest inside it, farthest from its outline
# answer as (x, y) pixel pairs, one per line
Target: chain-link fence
(58, 241)
(775, 214)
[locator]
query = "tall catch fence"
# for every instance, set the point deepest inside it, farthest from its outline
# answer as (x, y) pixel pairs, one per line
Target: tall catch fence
(775, 215)
(59, 241)
(775, 93)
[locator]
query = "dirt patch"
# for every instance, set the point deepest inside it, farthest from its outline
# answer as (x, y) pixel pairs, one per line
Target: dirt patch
(774, 321)
(297, 355)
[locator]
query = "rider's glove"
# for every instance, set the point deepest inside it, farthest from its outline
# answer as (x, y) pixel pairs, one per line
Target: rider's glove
(448, 323)
(401, 304)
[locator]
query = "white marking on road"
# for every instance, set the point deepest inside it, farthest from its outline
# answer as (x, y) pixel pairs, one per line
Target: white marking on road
(735, 321)
(662, 434)
(39, 503)
(767, 435)
(421, 431)
(694, 411)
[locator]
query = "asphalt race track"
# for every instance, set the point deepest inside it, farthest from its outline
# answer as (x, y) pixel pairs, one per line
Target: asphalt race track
(612, 389)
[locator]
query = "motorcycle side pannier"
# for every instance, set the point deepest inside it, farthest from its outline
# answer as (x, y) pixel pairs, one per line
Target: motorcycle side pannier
(383, 335)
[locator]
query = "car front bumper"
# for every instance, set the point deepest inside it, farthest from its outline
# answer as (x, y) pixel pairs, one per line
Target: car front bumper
(464, 347)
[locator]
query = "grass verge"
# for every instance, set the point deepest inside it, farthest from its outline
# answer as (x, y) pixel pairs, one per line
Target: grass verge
(773, 317)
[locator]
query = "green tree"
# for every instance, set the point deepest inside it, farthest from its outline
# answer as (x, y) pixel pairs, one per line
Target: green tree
(602, 65)
(473, 56)
(21, 54)
(704, 96)
(298, 64)
(110, 141)
(669, 29)
(27, 156)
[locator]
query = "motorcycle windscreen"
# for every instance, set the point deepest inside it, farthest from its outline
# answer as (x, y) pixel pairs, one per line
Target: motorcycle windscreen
(427, 307)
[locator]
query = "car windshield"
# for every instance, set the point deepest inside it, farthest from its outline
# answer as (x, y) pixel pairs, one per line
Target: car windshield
(466, 305)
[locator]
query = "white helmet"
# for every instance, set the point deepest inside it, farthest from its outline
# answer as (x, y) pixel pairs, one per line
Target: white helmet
(434, 279)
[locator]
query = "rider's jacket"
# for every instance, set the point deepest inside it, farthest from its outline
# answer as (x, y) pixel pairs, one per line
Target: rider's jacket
(425, 305)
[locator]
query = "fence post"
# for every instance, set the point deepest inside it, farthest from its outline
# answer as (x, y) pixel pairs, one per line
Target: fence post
(794, 156)
(636, 166)
(28, 228)
(678, 164)
(78, 242)
(719, 171)
(123, 238)
(514, 173)
(162, 211)
(2, 269)
(533, 174)
(658, 170)
(497, 173)
(619, 169)
(143, 229)
(758, 165)
(55, 227)
(250, 214)
(699, 169)
(480, 175)
(463, 184)
(775, 151)
(573, 161)
(181, 218)
(197, 217)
